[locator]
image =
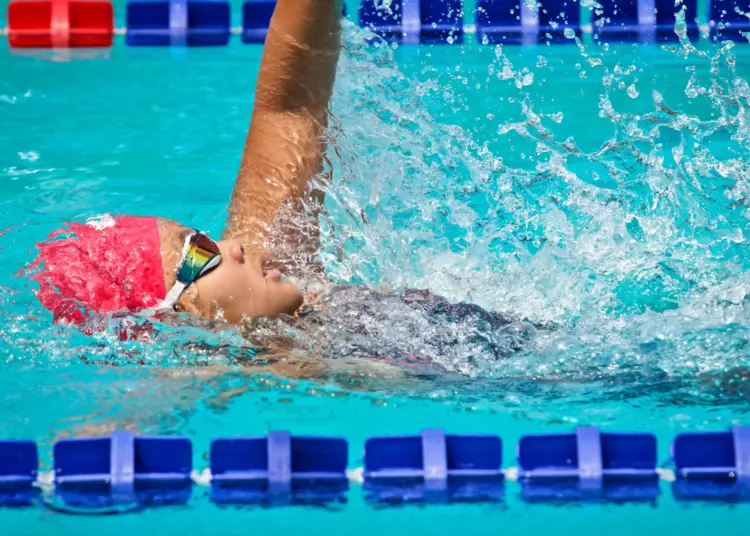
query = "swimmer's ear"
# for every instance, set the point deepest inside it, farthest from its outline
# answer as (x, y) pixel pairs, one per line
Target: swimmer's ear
(190, 302)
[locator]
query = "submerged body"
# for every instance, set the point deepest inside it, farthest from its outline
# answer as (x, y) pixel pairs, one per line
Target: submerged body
(413, 328)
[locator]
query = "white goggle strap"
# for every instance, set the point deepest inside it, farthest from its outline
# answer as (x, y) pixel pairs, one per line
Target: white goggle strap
(176, 291)
(172, 296)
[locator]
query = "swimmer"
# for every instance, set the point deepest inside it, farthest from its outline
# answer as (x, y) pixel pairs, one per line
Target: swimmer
(148, 263)
(151, 266)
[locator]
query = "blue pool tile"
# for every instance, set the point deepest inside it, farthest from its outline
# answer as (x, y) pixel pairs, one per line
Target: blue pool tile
(726, 23)
(279, 468)
(123, 469)
(500, 22)
(557, 15)
(177, 23)
(588, 465)
(433, 467)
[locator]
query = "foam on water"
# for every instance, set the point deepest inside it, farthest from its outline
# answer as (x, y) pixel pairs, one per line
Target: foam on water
(634, 249)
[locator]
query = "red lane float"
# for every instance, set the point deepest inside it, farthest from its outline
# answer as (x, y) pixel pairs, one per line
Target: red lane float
(60, 23)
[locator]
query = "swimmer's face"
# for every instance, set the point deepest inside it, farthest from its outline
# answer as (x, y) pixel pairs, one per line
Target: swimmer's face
(239, 287)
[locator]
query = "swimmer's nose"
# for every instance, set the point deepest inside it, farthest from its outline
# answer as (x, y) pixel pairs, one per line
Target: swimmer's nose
(235, 251)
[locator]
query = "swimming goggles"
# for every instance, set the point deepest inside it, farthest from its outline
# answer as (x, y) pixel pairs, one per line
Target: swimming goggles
(200, 255)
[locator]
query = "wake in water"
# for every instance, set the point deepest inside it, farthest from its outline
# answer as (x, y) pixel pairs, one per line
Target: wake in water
(635, 249)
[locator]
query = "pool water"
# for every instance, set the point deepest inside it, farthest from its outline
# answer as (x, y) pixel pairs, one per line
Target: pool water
(598, 191)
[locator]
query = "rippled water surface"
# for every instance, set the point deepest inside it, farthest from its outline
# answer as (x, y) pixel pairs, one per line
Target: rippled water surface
(597, 193)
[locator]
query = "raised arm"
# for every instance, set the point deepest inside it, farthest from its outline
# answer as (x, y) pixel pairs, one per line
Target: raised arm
(284, 146)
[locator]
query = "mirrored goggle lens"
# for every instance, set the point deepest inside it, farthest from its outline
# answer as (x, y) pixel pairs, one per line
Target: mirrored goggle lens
(203, 242)
(201, 257)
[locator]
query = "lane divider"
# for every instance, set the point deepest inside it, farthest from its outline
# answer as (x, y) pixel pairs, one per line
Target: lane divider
(90, 23)
(125, 472)
(470, 29)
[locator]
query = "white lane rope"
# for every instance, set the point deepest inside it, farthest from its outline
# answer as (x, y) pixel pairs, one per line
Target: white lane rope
(46, 479)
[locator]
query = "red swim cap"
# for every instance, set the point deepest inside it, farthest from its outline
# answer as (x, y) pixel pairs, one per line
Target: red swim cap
(112, 264)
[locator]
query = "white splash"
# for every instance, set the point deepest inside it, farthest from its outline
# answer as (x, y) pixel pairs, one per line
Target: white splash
(101, 222)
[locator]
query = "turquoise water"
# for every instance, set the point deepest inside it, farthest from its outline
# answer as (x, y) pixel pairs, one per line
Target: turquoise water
(600, 191)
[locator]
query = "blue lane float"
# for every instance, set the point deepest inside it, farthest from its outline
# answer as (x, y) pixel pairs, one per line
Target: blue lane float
(397, 21)
(19, 462)
(433, 467)
(666, 19)
(177, 23)
(728, 24)
(588, 465)
(712, 466)
(279, 469)
(441, 21)
(501, 22)
(557, 16)
(628, 21)
(619, 21)
(123, 470)
(415, 21)
(256, 17)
